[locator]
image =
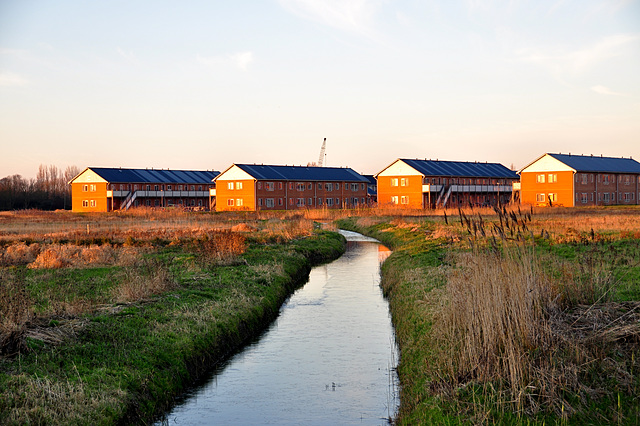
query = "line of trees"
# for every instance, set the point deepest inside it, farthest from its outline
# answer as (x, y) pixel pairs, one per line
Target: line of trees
(49, 190)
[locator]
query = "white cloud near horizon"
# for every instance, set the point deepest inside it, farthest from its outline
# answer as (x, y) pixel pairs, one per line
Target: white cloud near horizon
(357, 16)
(8, 79)
(603, 90)
(560, 62)
(240, 60)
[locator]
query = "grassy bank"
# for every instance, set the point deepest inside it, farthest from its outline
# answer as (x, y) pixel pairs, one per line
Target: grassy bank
(109, 331)
(518, 320)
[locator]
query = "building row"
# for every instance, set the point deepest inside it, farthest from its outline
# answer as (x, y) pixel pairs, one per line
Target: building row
(552, 179)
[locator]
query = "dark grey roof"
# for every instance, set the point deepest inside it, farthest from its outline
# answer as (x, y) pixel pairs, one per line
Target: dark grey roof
(302, 173)
(584, 163)
(372, 180)
(117, 175)
(461, 168)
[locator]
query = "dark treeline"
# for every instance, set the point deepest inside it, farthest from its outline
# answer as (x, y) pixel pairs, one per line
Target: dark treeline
(49, 190)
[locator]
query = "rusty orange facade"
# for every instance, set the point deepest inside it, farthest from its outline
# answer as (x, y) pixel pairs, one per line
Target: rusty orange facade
(577, 180)
(267, 187)
(419, 184)
(98, 189)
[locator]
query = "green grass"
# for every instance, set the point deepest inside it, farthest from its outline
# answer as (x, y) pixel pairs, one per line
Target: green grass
(129, 361)
(414, 278)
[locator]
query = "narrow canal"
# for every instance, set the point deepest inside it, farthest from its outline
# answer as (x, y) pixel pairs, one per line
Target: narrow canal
(328, 359)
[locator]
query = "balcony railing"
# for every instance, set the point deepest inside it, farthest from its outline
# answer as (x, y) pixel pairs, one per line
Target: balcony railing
(467, 188)
(159, 194)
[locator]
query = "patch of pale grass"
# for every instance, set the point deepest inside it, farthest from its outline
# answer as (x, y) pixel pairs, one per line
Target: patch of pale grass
(269, 271)
(138, 286)
(56, 401)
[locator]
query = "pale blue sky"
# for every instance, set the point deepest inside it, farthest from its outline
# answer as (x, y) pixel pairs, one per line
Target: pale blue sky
(203, 84)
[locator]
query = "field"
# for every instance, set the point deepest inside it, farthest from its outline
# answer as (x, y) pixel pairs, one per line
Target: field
(105, 318)
(514, 316)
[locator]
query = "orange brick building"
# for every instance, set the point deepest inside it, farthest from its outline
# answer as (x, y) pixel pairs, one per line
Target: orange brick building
(101, 189)
(580, 180)
(267, 187)
(420, 184)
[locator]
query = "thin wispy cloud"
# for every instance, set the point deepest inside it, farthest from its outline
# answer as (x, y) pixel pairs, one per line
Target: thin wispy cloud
(8, 79)
(127, 55)
(239, 60)
(562, 61)
(603, 90)
(356, 16)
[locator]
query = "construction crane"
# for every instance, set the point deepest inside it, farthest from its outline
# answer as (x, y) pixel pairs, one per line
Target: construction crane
(322, 153)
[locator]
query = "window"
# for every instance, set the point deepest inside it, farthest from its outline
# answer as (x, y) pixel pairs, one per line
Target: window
(238, 185)
(319, 201)
(269, 202)
(259, 185)
(85, 188)
(148, 203)
(403, 182)
(155, 187)
(300, 202)
(553, 178)
(394, 199)
(591, 196)
(85, 203)
(329, 202)
(230, 202)
(583, 198)
(362, 186)
(279, 185)
(540, 178)
(337, 186)
(92, 188)
(271, 186)
(319, 185)
(584, 178)
(606, 197)
(337, 201)
(404, 199)
(626, 180)
(300, 186)
(394, 182)
(179, 187)
(260, 202)
(230, 185)
(168, 187)
(290, 185)
(310, 186)
(553, 198)
(148, 187)
(328, 187)
(310, 201)
(156, 203)
(290, 201)
(540, 197)
(239, 202)
(279, 201)
(354, 187)
(606, 179)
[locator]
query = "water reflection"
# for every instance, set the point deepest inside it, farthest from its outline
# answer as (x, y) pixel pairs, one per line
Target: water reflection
(329, 358)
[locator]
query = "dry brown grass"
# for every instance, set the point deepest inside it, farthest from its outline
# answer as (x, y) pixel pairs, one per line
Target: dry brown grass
(524, 339)
(137, 286)
(15, 312)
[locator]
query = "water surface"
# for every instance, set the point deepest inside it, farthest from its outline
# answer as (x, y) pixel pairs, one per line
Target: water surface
(328, 359)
